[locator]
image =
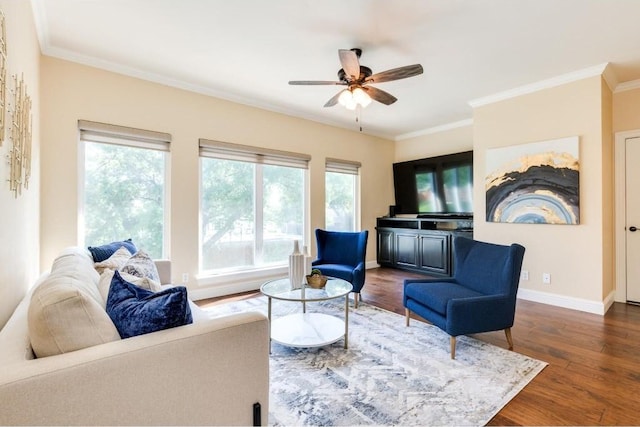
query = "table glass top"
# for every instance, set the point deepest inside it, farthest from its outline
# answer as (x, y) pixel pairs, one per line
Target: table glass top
(281, 289)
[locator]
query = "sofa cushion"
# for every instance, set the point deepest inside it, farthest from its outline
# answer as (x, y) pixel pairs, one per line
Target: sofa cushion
(107, 276)
(76, 269)
(141, 265)
(66, 309)
(436, 295)
(100, 253)
(137, 311)
(115, 262)
(63, 317)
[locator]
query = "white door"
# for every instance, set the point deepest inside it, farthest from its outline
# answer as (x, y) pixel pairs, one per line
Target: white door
(632, 150)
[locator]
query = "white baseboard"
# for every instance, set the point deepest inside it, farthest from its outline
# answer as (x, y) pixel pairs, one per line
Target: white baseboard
(223, 290)
(595, 307)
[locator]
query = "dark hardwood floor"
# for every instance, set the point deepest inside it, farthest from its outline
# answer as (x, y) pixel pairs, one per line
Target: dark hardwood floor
(593, 376)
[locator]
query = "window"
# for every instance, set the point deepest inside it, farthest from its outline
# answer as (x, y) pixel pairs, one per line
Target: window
(341, 195)
(124, 188)
(252, 206)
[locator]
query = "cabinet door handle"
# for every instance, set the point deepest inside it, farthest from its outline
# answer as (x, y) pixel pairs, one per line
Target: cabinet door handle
(633, 229)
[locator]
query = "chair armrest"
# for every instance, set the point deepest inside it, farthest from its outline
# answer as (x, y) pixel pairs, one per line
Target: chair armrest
(480, 314)
(206, 373)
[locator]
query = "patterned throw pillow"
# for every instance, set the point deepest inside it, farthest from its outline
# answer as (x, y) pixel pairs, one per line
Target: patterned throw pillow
(107, 276)
(137, 311)
(141, 265)
(100, 253)
(115, 261)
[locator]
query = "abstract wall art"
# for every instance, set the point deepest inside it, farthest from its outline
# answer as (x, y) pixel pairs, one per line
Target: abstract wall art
(535, 183)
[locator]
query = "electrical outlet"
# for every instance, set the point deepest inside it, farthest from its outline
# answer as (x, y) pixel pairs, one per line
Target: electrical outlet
(185, 277)
(546, 278)
(524, 275)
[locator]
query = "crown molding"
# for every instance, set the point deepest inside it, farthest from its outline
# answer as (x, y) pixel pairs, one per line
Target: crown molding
(610, 77)
(630, 85)
(435, 129)
(202, 90)
(40, 22)
(562, 79)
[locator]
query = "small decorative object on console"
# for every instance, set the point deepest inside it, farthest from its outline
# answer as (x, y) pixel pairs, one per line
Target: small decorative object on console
(316, 279)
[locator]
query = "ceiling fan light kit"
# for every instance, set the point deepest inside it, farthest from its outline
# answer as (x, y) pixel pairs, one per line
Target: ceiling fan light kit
(350, 98)
(357, 78)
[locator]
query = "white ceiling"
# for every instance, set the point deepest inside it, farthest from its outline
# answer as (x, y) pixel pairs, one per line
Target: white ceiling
(247, 50)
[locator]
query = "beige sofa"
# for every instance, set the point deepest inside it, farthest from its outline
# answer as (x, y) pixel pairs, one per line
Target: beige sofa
(211, 372)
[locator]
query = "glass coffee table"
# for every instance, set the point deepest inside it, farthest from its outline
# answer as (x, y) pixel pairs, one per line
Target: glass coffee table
(308, 329)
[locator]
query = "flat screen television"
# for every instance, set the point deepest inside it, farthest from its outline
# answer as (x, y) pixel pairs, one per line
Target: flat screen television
(435, 186)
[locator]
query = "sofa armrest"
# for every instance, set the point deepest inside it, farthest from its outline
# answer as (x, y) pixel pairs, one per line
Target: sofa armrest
(206, 373)
(164, 270)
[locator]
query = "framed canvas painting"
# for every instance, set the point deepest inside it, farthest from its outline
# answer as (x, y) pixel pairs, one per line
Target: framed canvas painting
(535, 183)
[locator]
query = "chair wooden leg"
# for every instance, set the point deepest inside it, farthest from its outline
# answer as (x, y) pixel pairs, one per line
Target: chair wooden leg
(453, 347)
(356, 297)
(507, 332)
(406, 314)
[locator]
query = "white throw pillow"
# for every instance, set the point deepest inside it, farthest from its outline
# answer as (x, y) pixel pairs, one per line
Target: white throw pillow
(115, 261)
(144, 282)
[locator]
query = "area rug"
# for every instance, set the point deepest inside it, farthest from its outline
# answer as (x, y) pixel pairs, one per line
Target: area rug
(389, 375)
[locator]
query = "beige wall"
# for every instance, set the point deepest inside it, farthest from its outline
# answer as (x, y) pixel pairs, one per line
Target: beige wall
(19, 217)
(626, 110)
(71, 92)
(578, 257)
(435, 144)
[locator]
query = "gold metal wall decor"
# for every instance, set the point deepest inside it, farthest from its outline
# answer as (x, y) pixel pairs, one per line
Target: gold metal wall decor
(3, 76)
(21, 131)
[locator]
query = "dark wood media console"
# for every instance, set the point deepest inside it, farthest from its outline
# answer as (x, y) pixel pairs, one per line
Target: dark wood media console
(420, 244)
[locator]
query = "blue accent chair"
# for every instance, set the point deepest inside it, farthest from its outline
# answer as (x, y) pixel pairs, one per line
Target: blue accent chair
(342, 254)
(480, 297)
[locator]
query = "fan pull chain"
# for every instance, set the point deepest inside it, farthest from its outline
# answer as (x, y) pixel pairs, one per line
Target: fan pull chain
(359, 116)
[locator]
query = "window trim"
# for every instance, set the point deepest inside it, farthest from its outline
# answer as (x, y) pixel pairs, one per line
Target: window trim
(103, 133)
(257, 155)
(347, 167)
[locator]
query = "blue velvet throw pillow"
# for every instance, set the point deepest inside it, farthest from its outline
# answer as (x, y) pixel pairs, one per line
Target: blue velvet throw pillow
(100, 253)
(137, 311)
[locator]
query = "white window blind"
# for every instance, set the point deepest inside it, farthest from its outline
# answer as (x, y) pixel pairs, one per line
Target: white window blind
(342, 166)
(123, 135)
(246, 153)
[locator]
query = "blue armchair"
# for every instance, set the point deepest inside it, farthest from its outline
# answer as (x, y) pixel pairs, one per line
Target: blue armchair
(480, 297)
(342, 255)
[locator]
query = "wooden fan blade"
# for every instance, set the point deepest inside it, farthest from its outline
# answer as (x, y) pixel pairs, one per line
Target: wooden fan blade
(334, 100)
(314, 82)
(379, 95)
(395, 74)
(350, 63)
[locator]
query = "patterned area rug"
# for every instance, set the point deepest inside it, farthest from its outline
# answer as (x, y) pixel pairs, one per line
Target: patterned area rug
(390, 374)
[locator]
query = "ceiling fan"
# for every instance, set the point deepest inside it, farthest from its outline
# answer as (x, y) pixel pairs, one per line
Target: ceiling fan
(357, 79)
